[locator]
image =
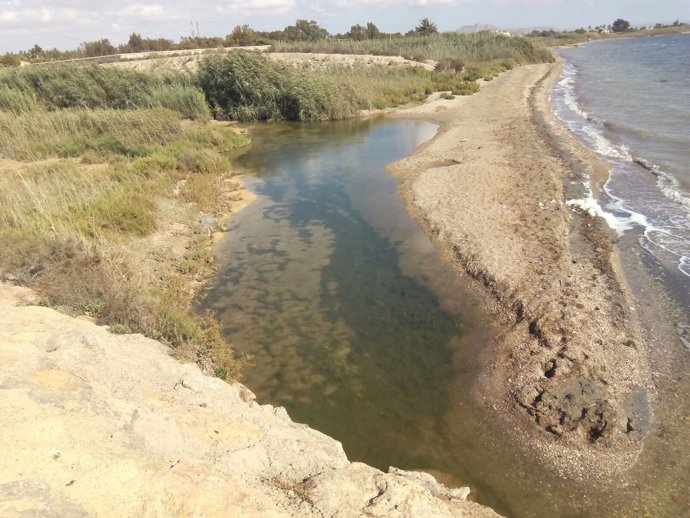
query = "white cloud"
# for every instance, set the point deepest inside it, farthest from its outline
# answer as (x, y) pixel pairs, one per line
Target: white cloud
(66, 23)
(255, 6)
(38, 15)
(143, 11)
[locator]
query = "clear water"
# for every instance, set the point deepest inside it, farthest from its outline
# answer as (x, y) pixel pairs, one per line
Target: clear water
(629, 100)
(336, 293)
(360, 329)
(354, 321)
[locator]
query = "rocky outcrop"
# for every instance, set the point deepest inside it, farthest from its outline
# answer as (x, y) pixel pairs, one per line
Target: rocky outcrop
(98, 424)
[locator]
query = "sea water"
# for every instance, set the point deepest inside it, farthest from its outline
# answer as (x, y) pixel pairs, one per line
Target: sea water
(629, 100)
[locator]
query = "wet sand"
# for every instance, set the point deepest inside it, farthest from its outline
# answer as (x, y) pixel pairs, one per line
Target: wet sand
(589, 374)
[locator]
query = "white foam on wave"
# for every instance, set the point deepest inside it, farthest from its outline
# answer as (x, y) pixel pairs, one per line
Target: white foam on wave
(566, 87)
(618, 218)
(592, 207)
(671, 188)
(604, 146)
(669, 239)
(684, 265)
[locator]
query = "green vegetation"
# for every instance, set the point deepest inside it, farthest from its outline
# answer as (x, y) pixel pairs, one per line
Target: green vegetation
(68, 85)
(426, 28)
(95, 166)
(251, 86)
(475, 48)
(620, 25)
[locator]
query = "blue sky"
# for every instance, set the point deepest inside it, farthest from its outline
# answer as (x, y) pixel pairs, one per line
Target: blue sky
(66, 23)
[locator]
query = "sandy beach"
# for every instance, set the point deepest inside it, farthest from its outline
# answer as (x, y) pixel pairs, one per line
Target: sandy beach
(578, 373)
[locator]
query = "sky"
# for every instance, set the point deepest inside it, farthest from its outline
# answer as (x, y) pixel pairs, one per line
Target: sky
(64, 24)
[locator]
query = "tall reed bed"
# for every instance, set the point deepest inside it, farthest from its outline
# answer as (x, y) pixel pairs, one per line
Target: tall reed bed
(56, 87)
(249, 86)
(37, 135)
(472, 49)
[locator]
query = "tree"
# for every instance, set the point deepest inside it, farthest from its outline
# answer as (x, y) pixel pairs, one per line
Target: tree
(102, 47)
(426, 27)
(357, 32)
(241, 35)
(35, 51)
(373, 31)
(136, 43)
(304, 30)
(620, 25)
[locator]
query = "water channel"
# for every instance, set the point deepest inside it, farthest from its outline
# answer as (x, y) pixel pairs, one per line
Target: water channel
(354, 322)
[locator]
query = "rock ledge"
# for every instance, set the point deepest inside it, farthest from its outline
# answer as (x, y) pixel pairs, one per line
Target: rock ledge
(109, 425)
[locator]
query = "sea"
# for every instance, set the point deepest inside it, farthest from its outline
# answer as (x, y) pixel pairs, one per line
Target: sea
(629, 101)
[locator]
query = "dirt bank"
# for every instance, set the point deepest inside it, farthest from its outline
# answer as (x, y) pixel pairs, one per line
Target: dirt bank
(570, 375)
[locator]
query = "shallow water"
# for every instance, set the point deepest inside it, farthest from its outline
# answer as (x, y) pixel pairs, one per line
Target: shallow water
(329, 285)
(355, 322)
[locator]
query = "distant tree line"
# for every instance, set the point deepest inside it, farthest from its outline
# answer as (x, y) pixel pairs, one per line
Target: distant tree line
(241, 35)
(620, 25)
(244, 35)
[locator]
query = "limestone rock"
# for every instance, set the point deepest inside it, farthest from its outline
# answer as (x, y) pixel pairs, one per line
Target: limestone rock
(98, 424)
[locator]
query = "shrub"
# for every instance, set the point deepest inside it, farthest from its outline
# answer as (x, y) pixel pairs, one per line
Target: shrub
(124, 212)
(468, 88)
(450, 65)
(149, 166)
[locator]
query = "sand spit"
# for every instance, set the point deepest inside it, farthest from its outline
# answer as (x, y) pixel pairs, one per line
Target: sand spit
(98, 424)
(570, 374)
(590, 375)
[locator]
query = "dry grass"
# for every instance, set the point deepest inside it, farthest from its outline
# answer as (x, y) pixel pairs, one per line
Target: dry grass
(79, 227)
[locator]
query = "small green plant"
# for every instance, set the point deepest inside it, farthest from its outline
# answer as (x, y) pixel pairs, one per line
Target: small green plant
(119, 329)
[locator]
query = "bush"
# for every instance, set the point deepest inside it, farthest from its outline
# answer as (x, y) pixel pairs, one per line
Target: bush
(450, 65)
(466, 89)
(124, 212)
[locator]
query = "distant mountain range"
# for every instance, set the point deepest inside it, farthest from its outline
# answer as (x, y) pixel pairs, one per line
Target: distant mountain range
(513, 30)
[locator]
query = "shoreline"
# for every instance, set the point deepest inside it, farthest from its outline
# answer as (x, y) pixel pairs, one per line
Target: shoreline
(490, 191)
